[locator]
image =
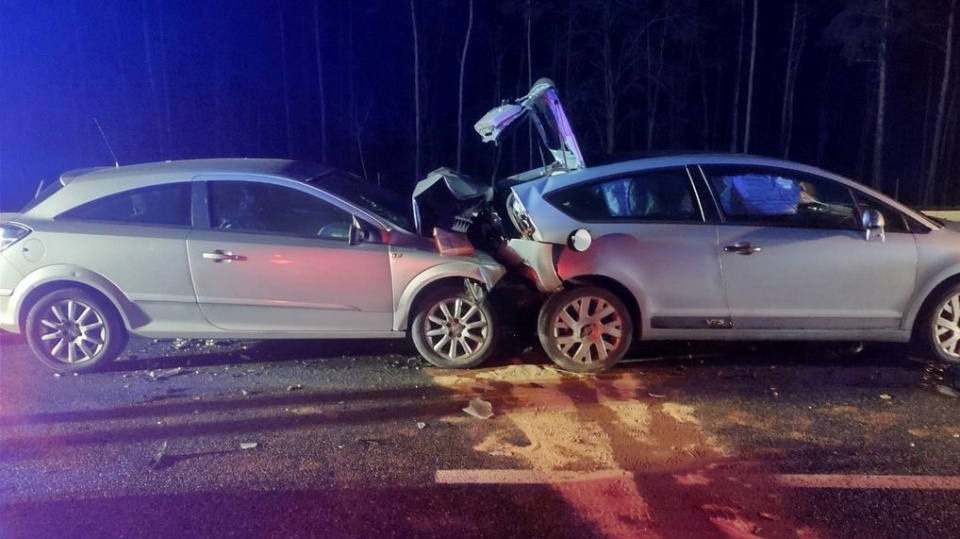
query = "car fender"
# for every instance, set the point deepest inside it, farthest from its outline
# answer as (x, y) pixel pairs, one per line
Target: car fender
(916, 303)
(573, 265)
(481, 269)
(66, 275)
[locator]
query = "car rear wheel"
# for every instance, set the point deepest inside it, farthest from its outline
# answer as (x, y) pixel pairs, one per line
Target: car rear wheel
(940, 327)
(454, 330)
(585, 330)
(71, 330)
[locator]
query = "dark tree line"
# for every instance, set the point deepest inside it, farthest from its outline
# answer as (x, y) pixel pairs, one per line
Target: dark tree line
(389, 89)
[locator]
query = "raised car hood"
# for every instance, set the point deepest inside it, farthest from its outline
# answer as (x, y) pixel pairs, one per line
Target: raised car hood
(543, 107)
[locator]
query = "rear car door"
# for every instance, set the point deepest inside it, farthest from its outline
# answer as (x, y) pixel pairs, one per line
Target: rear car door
(274, 255)
(651, 234)
(795, 257)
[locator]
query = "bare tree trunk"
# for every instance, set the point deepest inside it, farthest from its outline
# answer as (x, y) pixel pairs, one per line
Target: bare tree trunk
(463, 66)
(737, 82)
(416, 84)
(881, 98)
(653, 99)
(286, 83)
(789, 83)
(167, 138)
(753, 64)
(530, 75)
(320, 84)
(935, 153)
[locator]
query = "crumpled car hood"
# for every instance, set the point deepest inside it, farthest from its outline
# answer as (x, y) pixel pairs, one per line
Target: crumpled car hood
(448, 199)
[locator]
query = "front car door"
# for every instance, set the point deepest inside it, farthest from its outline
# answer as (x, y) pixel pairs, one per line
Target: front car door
(652, 235)
(275, 256)
(796, 259)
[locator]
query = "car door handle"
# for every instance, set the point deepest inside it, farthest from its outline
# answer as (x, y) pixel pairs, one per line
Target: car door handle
(223, 256)
(741, 248)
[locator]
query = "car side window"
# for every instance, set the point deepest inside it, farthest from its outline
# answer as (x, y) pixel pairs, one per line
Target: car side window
(655, 195)
(165, 205)
(264, 208)
(894, 221)
(761, 195)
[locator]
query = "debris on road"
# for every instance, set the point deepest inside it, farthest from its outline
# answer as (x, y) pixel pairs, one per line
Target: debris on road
(157, 461)
(885, 397)
(479, 408)
(421, 425)
(248, 445)
(948, 391)
(295, 387)
(167, 374)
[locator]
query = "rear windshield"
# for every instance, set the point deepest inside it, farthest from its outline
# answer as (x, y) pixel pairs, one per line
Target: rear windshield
(42, 195)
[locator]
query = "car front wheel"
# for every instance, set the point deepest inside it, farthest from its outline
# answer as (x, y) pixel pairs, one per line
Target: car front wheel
(71, 330)
(585, 330)
(941, 326)
(454, 330)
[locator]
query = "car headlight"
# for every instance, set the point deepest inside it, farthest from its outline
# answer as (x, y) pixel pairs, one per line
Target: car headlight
(11, 233)
(518, 216)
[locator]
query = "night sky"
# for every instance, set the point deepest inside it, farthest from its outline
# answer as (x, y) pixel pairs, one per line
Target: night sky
(175, 79)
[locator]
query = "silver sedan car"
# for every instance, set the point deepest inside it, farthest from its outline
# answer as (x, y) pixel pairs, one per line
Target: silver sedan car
(717, 247)
(235, 248)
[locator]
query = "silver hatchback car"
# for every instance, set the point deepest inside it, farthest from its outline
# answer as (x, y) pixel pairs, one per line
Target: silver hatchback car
(718, 247)
(235, 248)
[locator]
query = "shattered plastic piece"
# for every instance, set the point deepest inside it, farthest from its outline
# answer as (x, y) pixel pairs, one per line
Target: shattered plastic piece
(157, 459)
(886, 397)
(421, 425)
(657, 395)
(56, 375)
(769, 516)
(948, 391)
(248, 445)
(295, 387)
(169, 373)
(479, 408)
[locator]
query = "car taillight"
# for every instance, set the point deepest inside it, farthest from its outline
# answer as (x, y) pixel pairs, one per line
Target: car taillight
(519, 218)
(11, 233)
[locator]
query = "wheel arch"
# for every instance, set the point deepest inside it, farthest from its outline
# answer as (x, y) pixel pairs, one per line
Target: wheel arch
(426, 284)
(94, 284)
(916, 314)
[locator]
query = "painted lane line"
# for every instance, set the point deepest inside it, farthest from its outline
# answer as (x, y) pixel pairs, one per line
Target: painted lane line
(534, 477)
(895, 482)
(525, 477)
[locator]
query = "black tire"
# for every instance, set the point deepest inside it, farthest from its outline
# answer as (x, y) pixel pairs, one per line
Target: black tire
(939, 327)
(585, 330)
(72, 330)
(452, 330)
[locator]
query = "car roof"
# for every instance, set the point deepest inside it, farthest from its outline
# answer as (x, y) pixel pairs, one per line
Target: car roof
(300, 170)
(83, 185)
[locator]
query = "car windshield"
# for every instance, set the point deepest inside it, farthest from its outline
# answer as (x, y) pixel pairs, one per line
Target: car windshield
(376, 200)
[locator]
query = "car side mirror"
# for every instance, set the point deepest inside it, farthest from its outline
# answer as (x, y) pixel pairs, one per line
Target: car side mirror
(873, 223)
(357, 234)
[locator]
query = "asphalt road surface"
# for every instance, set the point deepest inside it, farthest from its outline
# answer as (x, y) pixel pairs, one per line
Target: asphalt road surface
(362, 439)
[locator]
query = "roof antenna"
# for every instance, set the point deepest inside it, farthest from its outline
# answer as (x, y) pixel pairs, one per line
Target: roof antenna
(116, 162)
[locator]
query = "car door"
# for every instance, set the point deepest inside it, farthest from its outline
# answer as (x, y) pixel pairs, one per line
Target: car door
(795, 257)
(650, 234)
(276, 256)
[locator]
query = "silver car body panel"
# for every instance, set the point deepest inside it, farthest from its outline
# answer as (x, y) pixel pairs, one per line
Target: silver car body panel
(163, 285)
(804, 284)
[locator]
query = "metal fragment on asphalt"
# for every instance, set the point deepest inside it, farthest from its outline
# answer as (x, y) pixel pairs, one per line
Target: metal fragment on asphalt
(157, 459)
(479, 408)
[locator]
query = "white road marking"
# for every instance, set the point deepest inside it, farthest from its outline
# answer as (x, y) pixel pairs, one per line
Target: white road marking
(534, 477)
